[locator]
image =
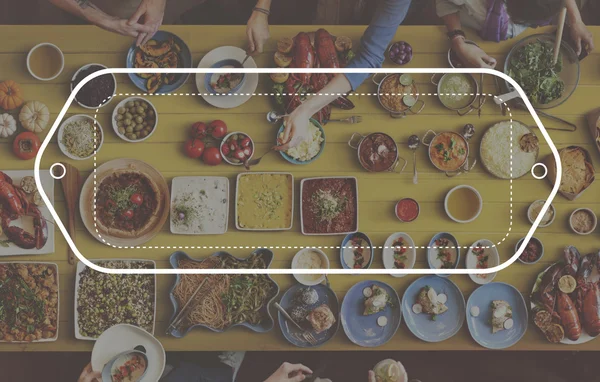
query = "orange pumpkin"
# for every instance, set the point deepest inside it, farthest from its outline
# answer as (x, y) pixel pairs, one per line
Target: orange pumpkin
(11, 96)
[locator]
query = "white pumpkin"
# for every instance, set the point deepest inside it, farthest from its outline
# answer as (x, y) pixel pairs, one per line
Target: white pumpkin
(34, 116)
(8, 125)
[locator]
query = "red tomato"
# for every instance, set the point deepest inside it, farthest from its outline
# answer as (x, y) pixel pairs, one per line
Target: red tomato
(194, 148)
(212, 156)
(137, 199)
(128, 214)
(199, 130)
(26, 145)
(225, 150)
(217, 128)
(245, 142)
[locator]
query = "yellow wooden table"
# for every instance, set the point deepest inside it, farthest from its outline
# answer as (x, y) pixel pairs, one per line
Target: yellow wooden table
(378, 192)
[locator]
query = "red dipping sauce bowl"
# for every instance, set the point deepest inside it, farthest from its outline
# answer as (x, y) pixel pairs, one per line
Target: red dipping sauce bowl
(407, 210)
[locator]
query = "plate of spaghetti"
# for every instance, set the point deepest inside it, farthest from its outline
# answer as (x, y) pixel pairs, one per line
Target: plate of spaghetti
(224, 301)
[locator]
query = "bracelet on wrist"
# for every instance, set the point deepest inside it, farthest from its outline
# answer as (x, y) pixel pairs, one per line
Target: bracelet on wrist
(261, 10)
(456, 33)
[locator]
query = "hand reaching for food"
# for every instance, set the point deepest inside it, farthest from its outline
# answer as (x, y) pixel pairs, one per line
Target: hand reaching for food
(295, 130)
(150, 13)
(288, 372)
(257, 31)
(582, 37)
(472, 55)
(89, 375)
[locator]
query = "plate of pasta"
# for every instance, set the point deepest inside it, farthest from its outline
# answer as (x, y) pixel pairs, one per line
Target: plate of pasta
(223, 301)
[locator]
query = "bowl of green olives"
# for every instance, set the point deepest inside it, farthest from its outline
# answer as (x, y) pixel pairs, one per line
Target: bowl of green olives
(134, 119)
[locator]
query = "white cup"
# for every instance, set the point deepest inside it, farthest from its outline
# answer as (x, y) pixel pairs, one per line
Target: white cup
(62, 61)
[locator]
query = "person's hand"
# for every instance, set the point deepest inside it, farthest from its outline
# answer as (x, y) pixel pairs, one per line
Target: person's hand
(89, 375)
(295, 130)
(582, 37)
(372, 376)
(123, 27)
(471, 55)
(257, 31)
(150, 14)
(288, 372)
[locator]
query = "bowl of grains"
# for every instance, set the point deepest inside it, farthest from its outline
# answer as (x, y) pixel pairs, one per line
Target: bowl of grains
(80, 137)
(97, 92)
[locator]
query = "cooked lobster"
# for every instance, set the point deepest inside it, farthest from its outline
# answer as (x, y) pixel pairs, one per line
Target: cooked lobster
(547, 290)
(326, 52)
(591, 309)
(572, 260)
(13, 205)
(569, 317)
(304, 56)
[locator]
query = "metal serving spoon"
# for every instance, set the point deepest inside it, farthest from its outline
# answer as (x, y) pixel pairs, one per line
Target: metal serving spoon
(413, 144)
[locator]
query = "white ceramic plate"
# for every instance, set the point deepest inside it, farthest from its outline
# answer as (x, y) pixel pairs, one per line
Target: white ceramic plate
(237, 190)
(493, 260)
(80, 267)
(214, 190)
(57, 302)
(246, 91)
(123, 337)
(27, 222)
(388, 252)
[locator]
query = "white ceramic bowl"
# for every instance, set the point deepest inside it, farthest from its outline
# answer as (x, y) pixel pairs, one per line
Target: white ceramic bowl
(300, 278)
(75, 76)
(388, 252)
(62, 61)
(531, 219)
(74, 118)
(225, 140)
(478, 210)
(520, 242)
(493, 260)
(589, 212)
(122, 104)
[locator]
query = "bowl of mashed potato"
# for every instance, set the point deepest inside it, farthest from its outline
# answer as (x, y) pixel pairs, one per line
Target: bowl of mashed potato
(307, 151)
(310, 258)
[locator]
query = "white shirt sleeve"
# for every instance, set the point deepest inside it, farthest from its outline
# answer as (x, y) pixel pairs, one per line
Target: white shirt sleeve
(445, 8)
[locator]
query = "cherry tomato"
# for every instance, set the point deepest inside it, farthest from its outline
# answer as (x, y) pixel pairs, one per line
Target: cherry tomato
(212, 156)
(128, 214)
(199, 130)
(137, 199)
(26, 145)
(225, 149)
(217, 128)
(194, 148)
(245, 142)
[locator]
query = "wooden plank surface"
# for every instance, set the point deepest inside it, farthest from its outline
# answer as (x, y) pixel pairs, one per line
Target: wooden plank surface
(378, 192)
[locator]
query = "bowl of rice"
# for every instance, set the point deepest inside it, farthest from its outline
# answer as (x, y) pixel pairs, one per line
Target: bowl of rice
(307, 151)
(80, 137)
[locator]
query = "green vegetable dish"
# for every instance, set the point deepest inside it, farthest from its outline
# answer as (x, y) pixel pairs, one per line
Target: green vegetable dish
(531, 66)
(104, 300)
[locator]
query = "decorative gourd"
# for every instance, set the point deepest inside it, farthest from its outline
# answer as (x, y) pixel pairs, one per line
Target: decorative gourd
(11, 96)
(8, 125)
(34, 116)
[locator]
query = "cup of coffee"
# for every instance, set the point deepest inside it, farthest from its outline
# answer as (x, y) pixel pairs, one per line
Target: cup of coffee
(45, 61)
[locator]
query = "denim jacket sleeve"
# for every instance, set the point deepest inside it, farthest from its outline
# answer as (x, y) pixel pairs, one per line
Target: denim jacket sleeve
(380, 32)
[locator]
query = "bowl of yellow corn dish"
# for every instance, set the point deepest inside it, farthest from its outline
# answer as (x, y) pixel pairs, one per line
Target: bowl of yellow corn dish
(307, 151)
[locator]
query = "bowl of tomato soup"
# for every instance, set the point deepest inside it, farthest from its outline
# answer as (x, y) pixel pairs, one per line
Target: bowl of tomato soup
(407, 210)
(377, 152)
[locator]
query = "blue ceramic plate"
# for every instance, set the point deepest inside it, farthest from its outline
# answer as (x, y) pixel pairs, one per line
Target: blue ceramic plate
(185, 57)
(445, 325)
(264, 326)
(295, 161)
(290, 332)
(432, 251)
(480, 327)
(346, 242)
(229, 62)
(364, 330)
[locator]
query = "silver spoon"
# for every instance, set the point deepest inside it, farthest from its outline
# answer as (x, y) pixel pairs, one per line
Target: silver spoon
(413, 144)
(274, 116)
(254, 162)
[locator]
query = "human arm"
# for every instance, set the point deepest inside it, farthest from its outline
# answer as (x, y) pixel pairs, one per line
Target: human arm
(149, 13)
(89, 375)
(579, 33)
(288, 372)
(257, 29)
(471, 55)
(88, 11)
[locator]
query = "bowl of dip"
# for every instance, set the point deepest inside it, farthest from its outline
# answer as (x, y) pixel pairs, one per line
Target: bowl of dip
(310, 258)
(533, 252)
(356, 251)
(583, 221)
(225, 83)
(463, 204)
(534, 211)
(407, 210)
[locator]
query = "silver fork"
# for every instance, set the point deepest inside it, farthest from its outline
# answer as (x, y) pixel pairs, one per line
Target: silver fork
(306, 335)
(351, 120)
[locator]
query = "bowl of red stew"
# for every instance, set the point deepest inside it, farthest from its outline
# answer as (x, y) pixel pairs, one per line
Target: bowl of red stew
(532, 253)
(407, 210)
(377, 152)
